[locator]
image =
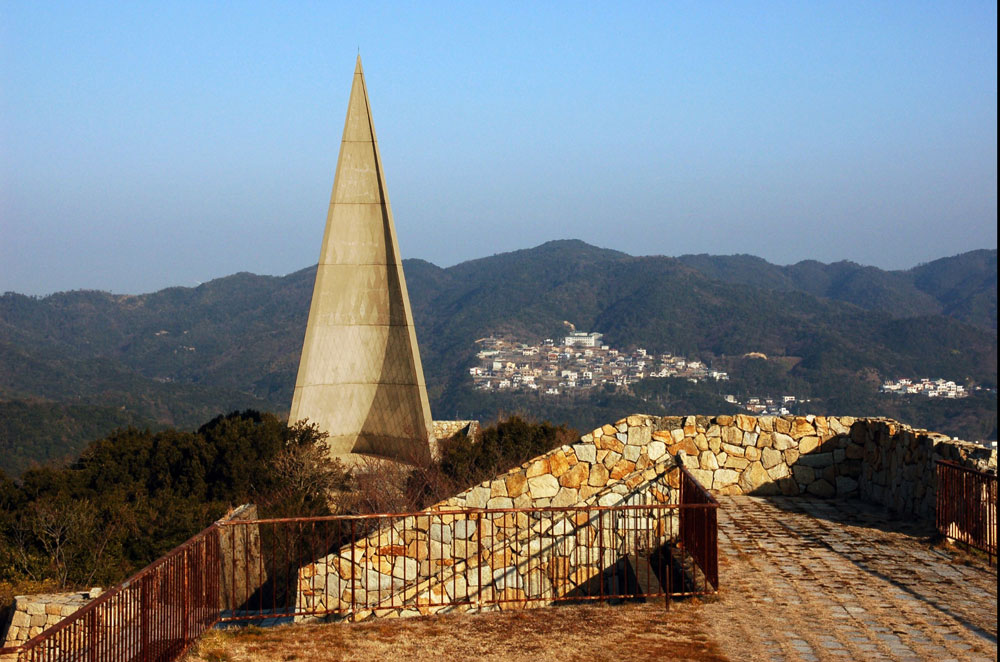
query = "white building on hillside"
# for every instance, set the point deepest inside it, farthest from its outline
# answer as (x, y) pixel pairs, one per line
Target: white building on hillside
(583, 339)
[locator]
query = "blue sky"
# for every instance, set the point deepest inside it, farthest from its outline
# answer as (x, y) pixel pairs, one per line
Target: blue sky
(144, 145)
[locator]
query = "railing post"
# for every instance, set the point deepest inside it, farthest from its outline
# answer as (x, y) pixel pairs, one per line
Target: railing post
(668, 557)
(479, 560)
(186, 610)
(92, 635)
(680, 501)
(991, 500)
(600, 549)
(353, 543)
(143, 619)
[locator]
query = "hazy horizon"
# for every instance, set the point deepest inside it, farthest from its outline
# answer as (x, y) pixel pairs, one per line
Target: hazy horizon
(147, 146)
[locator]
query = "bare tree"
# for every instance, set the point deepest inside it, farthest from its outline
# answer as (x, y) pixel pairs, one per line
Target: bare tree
(60, 526)
(73, 535)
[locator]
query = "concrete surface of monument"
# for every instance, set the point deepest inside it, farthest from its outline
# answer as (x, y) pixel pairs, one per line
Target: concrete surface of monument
(360, 377)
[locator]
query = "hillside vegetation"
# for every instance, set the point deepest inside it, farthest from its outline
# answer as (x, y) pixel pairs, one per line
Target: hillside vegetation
(133, 495)
(963, 287)
(75, 365)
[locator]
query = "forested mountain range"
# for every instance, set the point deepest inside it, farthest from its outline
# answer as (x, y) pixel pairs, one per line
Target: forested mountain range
(75, 363)
(963, 286)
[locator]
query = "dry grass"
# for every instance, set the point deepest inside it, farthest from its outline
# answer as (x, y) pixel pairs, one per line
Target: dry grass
(959, 552)
(590, 633)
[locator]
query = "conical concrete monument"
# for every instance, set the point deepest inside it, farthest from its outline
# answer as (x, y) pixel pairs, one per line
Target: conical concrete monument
(360, 377)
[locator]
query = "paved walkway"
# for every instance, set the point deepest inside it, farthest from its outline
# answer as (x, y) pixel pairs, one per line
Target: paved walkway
(808, 579)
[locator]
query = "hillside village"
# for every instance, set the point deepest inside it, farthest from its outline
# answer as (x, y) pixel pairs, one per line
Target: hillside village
(932, 388)
(576, 363)
(580, 362)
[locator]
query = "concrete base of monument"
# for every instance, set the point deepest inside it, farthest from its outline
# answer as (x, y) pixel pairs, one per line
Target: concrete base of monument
(442, 430)
(363, 460)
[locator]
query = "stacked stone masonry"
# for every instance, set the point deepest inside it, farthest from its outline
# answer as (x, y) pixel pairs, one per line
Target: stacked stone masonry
(629, 462)
(445, 429)
(33, 614)
(879, 460)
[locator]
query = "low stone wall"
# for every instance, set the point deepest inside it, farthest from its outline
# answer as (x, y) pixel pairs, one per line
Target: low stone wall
(34, 613)
(571, 474)
(474, 560)
(444, 429)
(899, 467)
(427, 563)
(880, 460)
(766, 455)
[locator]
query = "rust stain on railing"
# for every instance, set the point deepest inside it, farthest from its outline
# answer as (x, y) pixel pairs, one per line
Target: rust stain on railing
(966, 508)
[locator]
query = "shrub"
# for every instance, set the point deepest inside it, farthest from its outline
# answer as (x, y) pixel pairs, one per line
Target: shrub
(499, 448)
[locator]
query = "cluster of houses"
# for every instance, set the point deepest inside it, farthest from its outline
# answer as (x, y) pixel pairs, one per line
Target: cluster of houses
(764, 406)
(579, 361)
(932, 388)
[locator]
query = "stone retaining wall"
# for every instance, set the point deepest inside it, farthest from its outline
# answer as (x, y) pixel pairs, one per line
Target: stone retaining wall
(570, 474)
(476, 558)
(877, 459)
(899, 468)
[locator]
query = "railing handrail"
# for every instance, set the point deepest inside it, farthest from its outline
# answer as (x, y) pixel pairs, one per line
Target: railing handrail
(961, 467)
(701, 488)
(467, 511)
(108, 595)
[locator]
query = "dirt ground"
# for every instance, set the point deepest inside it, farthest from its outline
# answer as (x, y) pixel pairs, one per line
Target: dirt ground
(590, 633)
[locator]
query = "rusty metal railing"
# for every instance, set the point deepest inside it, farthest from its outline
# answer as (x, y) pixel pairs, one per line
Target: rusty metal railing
(967, 506)
(649, 545)
(699, 534)
(466, 559)
(151, 617)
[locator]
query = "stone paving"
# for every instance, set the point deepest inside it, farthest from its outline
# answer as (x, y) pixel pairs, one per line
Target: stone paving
(809, 579)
